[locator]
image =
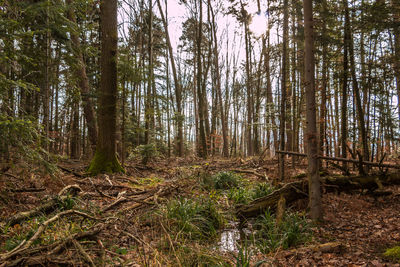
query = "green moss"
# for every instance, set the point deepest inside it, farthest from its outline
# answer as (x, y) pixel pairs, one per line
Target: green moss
(103, 163)
(393, 253)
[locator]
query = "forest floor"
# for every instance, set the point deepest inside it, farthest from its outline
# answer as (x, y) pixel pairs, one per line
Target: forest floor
(125, 220)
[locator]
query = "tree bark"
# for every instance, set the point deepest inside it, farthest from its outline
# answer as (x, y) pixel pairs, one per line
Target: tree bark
(311, 134)
(283, 87)
(80, 72)
(105, 159)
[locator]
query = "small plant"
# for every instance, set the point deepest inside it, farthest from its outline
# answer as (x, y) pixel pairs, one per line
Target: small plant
(393, 254)
(243, 258)
(292, 231)
(261, 190)
(147, 152)
(196, 219)
(226, 180)
(240, 195)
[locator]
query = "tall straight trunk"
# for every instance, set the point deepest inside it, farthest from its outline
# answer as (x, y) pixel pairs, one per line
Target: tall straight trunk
(248, 85)
(202, 122)
(344, 85)
(75, 136)
(283, 87)
(224, 125)
(311, 135)
(322, 129)
(396, 32)
(46, 85)
(80, 72)
(149, 112)
(178, 87)
(105, 158)
(356, 90)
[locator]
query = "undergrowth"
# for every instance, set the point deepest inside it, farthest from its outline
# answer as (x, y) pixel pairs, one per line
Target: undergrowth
(196, 220)
(292, 231)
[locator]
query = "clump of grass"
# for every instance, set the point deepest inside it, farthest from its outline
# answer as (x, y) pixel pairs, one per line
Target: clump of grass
(197, 220)
(240, 195)
(393, 254)
(244, 257)
(292, 231)
(226, 180)
(261, 190)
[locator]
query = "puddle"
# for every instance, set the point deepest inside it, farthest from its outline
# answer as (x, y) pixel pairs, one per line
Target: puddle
(229, 240)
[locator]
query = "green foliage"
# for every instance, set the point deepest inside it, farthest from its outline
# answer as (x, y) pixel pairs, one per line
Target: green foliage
(240, 195)
(226, 180)
(262, 189)
(244, 195)
(393, 253)
(243, 258)
(196, 220)
(147, 152)
(292, 231)
(21, 141)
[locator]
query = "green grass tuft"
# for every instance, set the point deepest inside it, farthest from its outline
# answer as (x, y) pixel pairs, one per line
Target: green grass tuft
(197, 220)
(292, 231)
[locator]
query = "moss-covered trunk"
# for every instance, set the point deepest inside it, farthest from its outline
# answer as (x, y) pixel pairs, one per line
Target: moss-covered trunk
(105, 159)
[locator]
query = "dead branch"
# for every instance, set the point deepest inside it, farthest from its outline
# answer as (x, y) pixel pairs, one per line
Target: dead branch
(70, 171)
(355, 161)
(47, 207)
(39, 232)
(298, 190)
(86, 256)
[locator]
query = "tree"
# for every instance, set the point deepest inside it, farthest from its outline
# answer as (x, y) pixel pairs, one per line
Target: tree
(105, 158)
(80, 72)
(311, 134)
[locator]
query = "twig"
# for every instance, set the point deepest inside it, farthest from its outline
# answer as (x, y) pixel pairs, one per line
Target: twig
(39, 232)
(83, 252)
(70, 171)
(171, 243)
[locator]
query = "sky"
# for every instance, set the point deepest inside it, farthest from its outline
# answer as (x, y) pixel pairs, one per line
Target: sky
(177, 14)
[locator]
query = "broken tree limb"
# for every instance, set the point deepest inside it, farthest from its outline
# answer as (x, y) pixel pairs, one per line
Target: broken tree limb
(47, 207)
(39, 232)
(355, 161)
(298, 190)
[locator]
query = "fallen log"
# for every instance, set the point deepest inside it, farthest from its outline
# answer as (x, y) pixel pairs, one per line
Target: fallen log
(355, 161)
(299, 189)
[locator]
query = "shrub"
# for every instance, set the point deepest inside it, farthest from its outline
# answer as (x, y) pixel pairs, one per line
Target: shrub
(147, 152)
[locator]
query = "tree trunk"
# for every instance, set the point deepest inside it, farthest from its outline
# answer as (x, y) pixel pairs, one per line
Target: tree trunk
(283, 87)
(356, 90)
(178, 87)
(311, 134)
(200, 96)
(105, 159)
(80, 72)
(344, 87)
